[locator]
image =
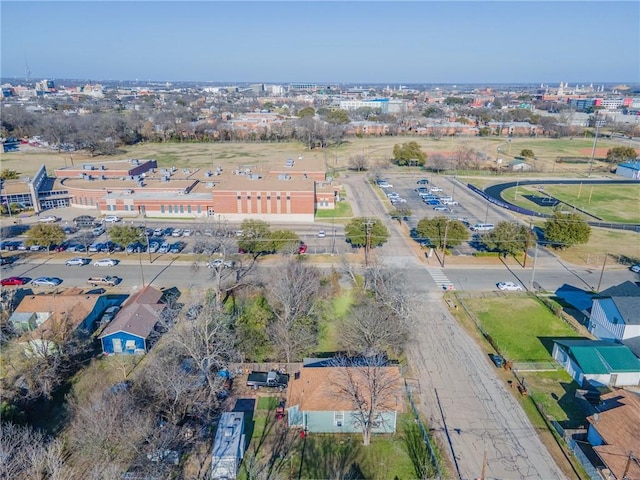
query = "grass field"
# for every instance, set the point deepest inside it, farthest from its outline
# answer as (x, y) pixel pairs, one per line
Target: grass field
(378, 150)
(342, 211)
(521, 326)
(526, 334)
(617, 244)
(329, 329)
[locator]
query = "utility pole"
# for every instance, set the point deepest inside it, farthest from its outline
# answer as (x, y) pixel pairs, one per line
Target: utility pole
(595, 143)
(444, 244)
(602, 271)
(533, 272)
(526, 246)
(367, 245)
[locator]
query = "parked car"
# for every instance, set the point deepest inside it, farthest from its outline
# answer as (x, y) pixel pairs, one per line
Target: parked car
(164, 248)
(49, 219)
(635, 268)
(69, 230)
(13, 281)
(441, 208)
(302, 248)
(176, 247)
(98, 231)
(106, 262)
(46, 282)
(158, 232)
(109, 314)
(112, 219)
(77, 262)
(167, 231)
(432, 202)
(321, 234)
(435, 189)
(509, 286)
(177, 232)
(497, 360)
(76, 247)
(187, 232)
(136, 247)
(153, 247)
(423, 181)
(449, 202)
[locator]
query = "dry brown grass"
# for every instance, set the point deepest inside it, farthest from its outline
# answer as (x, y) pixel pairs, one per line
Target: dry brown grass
(377, 149)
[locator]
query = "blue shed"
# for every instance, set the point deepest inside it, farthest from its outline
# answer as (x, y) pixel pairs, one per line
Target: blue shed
(129, 332)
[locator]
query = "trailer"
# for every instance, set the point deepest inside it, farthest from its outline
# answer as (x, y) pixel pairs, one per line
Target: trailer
(271, 379)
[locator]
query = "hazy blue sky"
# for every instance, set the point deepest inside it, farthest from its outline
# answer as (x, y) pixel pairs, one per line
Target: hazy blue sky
(360, 42)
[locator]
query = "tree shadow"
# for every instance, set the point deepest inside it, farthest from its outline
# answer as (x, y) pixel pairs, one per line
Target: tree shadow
(327, 457)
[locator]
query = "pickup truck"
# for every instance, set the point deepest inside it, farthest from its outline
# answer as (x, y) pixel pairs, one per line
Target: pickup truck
(268, 379)
(110, 281)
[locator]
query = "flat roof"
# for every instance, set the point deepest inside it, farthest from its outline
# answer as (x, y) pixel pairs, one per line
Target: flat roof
(108, 165)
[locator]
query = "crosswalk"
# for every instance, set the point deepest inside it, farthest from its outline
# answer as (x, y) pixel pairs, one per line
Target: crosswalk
(440, 278)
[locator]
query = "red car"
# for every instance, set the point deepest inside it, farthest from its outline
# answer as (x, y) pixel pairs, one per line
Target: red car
(302, 249)
(13, 281)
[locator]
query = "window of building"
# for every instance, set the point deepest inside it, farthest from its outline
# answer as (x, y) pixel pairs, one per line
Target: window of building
(170, 208)
(199, 209)
(239, 197)
(161, 208)
(181, 208)
(188, 208)
(338, 419)
(258, 197)
(288, 197)
(268, 197)
(278, 197)
(248, 197)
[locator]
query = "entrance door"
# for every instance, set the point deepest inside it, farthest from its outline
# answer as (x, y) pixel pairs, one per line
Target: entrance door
(117, 345)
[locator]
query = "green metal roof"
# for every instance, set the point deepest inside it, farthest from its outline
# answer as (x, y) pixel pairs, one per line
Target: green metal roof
(598, 356)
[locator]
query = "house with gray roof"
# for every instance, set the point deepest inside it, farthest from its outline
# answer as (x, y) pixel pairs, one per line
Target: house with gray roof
(598, 362)
(131, 331)
(615, 314)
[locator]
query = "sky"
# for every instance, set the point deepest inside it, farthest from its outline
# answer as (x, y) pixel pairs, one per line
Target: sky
(399, 42)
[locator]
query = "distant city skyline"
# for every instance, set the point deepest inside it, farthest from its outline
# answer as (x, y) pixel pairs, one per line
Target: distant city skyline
(370, 42)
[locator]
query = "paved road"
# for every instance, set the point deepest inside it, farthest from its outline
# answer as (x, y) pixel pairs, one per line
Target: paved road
(459, 392)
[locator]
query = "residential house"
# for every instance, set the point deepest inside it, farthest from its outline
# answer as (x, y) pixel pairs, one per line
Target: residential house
(598, 362)
(49, 319)
(228, 446)
(614, 433)
(131, 332)
(614, 315)
(519, 166)
(318, 404)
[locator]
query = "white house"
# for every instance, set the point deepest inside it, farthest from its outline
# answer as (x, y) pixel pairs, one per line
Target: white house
(598, 362)
(615, 313)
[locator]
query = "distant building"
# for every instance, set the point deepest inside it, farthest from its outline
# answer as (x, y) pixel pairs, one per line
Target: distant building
(629, 170)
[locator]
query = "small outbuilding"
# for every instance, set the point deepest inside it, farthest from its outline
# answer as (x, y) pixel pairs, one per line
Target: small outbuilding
(629, 170)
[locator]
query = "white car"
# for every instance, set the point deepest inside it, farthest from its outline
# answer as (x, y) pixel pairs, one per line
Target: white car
(77, 262)
(509, 286)
(635, 268)
(106, 262)
(112, 219)
(153, 247)
(450, 202)
(49, 219)
(321, 234)
(177, 232)
(435, 189)
(46, 282)
(187, 232)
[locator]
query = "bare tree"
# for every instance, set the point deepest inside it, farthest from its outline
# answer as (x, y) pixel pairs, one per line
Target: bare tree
(293, 291)
(29, 454)
(358, 163)
(371, 326)
(369, 386)
(209, 342)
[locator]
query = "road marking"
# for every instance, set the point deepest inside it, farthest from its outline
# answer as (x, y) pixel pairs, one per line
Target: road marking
(440, 278)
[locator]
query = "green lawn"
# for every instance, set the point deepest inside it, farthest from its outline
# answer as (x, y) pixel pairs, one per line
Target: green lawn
(556, 391)
(329, 330)
(342, 210)
(327, 455)
(521, 326)
(614, 203)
